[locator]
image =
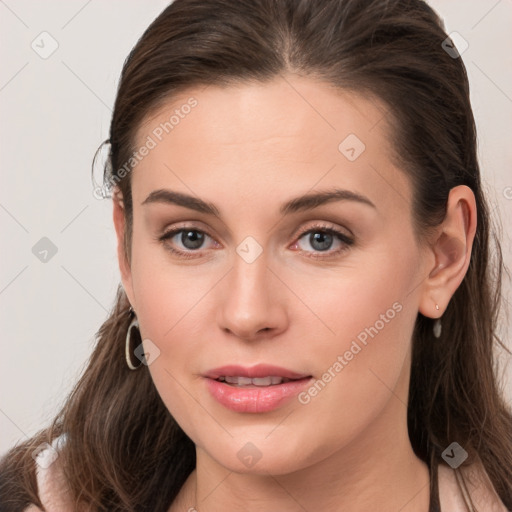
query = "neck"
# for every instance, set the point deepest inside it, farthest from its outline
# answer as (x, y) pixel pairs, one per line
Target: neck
(378, 470)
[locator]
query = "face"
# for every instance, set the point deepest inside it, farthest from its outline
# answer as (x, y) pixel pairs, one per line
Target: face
(326, 291)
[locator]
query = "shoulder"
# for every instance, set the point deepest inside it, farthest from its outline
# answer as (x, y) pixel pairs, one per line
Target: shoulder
(51, 482)
(467, 488)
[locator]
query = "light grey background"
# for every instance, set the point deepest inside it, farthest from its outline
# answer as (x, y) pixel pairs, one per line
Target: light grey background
(54, 114)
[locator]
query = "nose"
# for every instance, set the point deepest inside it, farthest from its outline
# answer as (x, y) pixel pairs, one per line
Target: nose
(253, 305)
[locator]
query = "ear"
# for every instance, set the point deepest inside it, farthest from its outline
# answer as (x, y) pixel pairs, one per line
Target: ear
(450, 252)
(122, 256)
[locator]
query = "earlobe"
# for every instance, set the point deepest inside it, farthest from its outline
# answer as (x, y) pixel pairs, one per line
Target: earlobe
(452, 252)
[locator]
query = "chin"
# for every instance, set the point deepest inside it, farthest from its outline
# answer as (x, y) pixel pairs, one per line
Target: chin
(261, 456)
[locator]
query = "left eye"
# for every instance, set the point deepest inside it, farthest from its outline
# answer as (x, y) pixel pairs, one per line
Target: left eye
(321, 238)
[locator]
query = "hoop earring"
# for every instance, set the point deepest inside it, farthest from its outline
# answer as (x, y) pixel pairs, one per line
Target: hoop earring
(132, 333)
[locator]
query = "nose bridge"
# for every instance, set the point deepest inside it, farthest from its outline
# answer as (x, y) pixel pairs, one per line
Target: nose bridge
(250, 303)
(249, 280)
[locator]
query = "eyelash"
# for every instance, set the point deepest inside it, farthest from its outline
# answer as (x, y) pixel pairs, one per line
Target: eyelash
(320, 228)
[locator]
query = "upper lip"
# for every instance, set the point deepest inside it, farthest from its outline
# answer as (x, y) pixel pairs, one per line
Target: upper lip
(259, 370)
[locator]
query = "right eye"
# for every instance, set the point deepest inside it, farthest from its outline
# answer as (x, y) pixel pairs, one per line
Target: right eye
(191, 239)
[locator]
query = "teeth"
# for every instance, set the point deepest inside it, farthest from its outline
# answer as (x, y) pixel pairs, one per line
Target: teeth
(258, 381)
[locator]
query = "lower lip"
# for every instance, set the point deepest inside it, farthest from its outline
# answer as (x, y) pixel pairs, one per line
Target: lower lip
(255, 399)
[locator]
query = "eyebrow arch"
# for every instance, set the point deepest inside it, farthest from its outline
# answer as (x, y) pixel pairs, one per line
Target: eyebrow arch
(297, 204)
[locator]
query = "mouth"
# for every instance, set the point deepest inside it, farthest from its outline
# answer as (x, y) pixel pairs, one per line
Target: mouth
(256, 389)
(239, 381)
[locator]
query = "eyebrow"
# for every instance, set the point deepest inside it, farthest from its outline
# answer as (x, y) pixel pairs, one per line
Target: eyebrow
(297, 204)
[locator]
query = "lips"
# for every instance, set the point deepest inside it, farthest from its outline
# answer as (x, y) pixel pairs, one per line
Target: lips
(254, 372)
(256, 389)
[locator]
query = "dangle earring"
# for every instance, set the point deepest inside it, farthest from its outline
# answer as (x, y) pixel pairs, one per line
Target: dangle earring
(133, 340)
(437, 325)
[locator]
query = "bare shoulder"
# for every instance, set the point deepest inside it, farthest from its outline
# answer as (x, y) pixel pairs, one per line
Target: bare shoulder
(52, 487)
(467, 484)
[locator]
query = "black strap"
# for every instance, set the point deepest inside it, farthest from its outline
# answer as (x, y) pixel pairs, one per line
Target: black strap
(435, 505)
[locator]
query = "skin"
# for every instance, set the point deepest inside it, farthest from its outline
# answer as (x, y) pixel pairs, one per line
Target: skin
(248, 149)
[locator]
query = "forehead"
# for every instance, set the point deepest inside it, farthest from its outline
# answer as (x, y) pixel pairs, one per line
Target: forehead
(289, 134)
(287, 106)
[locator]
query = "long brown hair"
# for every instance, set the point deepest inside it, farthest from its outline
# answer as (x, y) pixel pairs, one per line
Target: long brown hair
(125, 451)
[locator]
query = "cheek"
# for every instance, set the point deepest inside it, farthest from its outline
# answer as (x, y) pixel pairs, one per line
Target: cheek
(363, 362)
(165, 292)
(368, 302)
(170, 312)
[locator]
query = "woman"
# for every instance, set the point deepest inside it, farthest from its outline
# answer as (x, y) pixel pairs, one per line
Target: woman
(308, 305)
